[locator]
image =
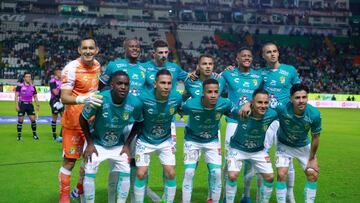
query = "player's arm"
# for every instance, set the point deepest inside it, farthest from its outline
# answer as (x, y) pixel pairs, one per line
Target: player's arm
(53, 88)
(315, 132)
(17, 93)
(134, 131)
(245, 110)
(87, 113)
(36, 100)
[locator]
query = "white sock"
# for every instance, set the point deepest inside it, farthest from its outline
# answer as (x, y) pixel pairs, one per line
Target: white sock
(291, 183)
(112, 182)
(139, 190)
(170, 190)
(188, 183)
(123, 187)
(259, 180)
(266, 190)
(89, 188)
(215, 180)
(249, 172)
(310, 191)
(231, 188)
(281, 192)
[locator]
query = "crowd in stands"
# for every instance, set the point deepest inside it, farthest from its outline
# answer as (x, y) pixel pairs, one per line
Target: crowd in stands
(323, 69)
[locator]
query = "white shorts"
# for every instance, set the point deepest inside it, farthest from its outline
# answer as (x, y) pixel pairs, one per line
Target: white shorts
(126, 132)
(270, 136)
(230, 131)
(165, 152)
(260, 160)
(112, 154)
(284, 155)
(192, 152)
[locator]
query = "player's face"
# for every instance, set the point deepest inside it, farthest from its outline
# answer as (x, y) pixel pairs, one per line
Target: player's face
(206, 66)
(244, 58)
(163, 85)
(88, 50)
(161, 54)
(27, 78)
(299, 100)
(260, 104)
(120, 86)
(271, 53)
(211, 94)
(132, 49)
(58, 74)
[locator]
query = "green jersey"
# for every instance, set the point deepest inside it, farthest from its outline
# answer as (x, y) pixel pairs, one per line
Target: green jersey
(111, 119)
(250, 132)
(151, 69)
(195, 88)
(241, 85)
(158, 116)
(293, 130)
(278, 83)
(135, 71)
(203, 123)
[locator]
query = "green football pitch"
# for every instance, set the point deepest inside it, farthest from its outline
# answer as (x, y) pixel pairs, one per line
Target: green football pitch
(29, 169)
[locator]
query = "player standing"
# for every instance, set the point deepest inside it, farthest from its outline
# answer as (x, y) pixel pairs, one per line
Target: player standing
(159, 107)
(79, 83)
(107, 138)
(55, 102)
(248, 144)
(24, 94)
(201, 134)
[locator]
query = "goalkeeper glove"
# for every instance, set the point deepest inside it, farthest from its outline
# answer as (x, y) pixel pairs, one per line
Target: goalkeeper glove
(93, 99)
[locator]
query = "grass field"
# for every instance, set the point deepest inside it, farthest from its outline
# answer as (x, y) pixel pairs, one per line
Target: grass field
(29, 169)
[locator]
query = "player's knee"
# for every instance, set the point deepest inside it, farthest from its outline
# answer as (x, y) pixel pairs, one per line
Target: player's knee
(311, 175)
(141, 175)
(69, 163)
(189, 173)
(269, 177)
(170, 174)
(282, 175)
(233, 176)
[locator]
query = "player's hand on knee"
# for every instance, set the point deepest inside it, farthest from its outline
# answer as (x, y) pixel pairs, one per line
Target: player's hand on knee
(89, 150)
(93, 99)
(312, 166)
(126, 149)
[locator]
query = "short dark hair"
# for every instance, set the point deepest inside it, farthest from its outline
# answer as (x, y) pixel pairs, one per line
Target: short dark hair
(27, 72)
(259, 91)
(210, 81)
(127, 40)
(162, 72)
(298, 87)
(58, 68)
(87, 38)
(159, 43)
(267, 44)
(205, 56)
(244, 48)
(118, 73)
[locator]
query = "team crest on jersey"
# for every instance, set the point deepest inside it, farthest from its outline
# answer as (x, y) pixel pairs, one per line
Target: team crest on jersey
(255, 82)
(282, 79)
(307, 126)
(218, 116)
(142, 74)
(125, 115)
(172, 110)
(137, 158)
(265, 127)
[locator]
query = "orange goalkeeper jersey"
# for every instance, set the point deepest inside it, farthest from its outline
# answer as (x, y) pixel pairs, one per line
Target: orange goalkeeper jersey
(82, 80)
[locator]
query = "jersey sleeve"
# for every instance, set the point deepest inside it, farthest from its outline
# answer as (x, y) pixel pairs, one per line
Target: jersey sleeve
(138, 116)
(34, 92)
(222, 84)
(316, 125)
(18, 88)
(105, 76)
(68, 77)
(89, 111)
(295, 76)
(182, 75)
(185, 108)
(234, 112)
